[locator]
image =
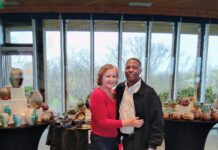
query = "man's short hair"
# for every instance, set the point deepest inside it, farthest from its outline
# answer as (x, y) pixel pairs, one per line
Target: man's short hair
(136, 59)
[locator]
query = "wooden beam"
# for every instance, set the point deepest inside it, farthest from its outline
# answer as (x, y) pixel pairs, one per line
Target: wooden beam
(108, 10)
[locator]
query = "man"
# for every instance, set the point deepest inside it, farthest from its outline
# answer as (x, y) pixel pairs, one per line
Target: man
(135, 98)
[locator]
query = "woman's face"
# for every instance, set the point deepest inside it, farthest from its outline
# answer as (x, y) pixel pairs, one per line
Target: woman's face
(109, 78)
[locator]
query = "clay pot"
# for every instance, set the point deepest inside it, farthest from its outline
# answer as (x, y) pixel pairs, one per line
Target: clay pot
(31, 116)
(16, 77)
(216, 103)
(166, 115)
(4, 119)
(214, 114)
(206, 115)
(35, 100)
(4, 93)
(197, 113)
(46, 116)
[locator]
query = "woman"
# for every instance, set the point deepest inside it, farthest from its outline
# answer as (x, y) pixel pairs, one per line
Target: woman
(103, 110)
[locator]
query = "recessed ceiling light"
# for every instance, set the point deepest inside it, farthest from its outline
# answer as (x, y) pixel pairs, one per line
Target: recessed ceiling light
(140, 4)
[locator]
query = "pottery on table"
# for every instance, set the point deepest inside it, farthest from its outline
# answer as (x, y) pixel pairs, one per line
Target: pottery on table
(206, 115)
(7, 109)
(216, 103)
(214, 114)
(16, 77)
(17, 120)
(4, 93)
(197, 113)
(35, 100)
(31, 116)
(4, 119)
(46, 116)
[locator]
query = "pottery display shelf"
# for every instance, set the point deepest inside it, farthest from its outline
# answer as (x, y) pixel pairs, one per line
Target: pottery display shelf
(24, 137)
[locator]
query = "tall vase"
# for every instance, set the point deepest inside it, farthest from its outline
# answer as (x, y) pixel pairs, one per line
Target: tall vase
(16, 77)
(35, 100)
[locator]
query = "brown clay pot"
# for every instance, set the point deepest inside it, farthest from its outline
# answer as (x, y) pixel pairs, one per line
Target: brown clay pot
(214, 114)
(4, 93)
(206, 115)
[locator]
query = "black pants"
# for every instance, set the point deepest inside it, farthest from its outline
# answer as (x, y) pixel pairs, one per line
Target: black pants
(103, 143)
(128, 142)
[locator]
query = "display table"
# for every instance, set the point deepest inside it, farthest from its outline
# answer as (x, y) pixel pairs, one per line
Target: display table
(21, 138)
(186, 135)
(67, 138)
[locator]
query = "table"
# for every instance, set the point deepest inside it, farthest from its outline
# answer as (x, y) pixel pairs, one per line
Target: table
(67, 138)
(186, 135)
(21, 138)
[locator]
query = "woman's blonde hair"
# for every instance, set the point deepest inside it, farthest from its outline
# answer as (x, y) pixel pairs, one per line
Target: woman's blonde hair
(102, 71)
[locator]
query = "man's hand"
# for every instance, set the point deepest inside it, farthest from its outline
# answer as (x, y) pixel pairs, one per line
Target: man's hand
(133, 122)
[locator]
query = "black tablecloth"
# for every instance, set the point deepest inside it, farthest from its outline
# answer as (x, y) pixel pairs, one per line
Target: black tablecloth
(67, 138)
(21, 138)
(186, 135)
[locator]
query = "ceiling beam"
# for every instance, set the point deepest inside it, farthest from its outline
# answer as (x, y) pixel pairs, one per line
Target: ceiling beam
(108, 10)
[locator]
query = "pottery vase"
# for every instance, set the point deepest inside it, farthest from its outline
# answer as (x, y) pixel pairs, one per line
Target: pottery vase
(4, 119)
(4, 93)
(16, 77)
(46, 116)
(31, 116)
(206, 115)
(17, 120)
(197, 113)
(216, 103)
(35, 100)
(214, 114)
(7, 109)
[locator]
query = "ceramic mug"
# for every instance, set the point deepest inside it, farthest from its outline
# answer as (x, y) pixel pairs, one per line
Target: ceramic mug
(17, 120)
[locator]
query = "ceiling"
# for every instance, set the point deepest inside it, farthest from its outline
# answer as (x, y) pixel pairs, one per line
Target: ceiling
(195, 8)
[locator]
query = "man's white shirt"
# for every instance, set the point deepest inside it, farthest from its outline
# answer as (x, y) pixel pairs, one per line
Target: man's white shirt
(127, 107)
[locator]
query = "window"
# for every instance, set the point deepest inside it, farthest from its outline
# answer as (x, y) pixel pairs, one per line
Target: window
(53, 64)
(187, 59)
(133, 44)
(105, 44)
(18, 56)
(20, 37)
(212, 65)
(160, 54)
(20, 33)
(78, 61)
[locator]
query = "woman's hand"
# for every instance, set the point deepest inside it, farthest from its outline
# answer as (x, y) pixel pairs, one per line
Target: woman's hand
(133, 122)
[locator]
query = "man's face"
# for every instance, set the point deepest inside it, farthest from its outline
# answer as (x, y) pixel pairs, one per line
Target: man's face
(132, 72)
